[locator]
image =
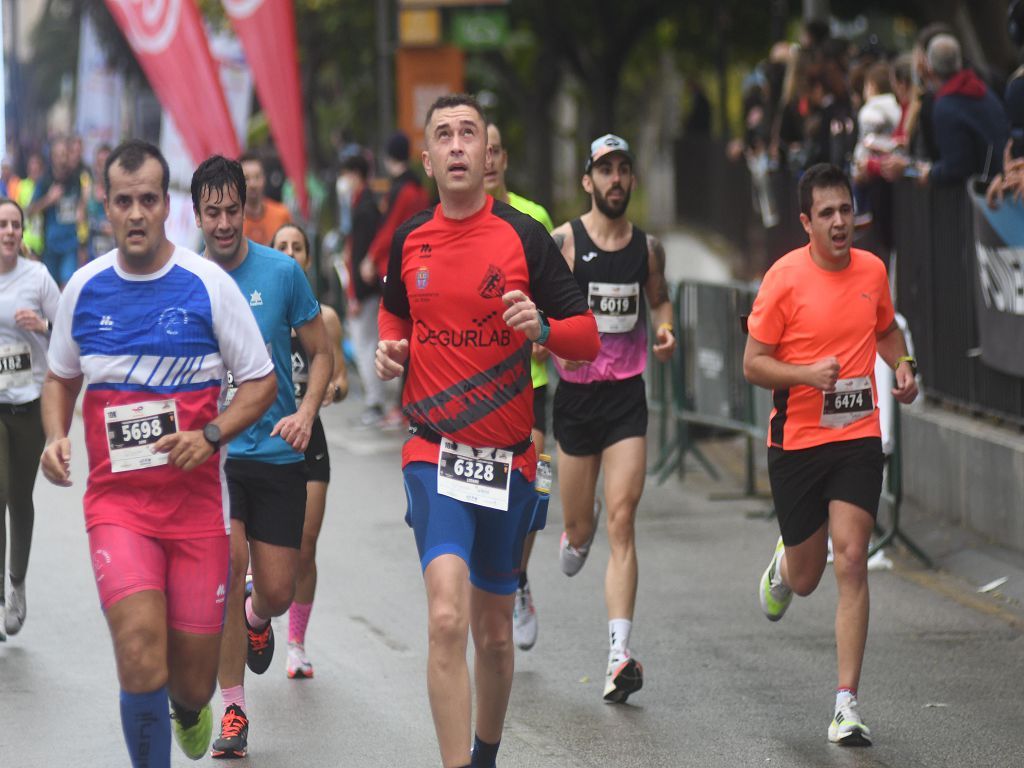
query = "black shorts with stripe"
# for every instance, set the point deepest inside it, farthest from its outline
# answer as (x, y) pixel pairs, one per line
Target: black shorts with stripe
(805, 481)
(318, 460)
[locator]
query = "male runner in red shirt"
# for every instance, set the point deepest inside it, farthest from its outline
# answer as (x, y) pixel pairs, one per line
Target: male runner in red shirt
(459, 313)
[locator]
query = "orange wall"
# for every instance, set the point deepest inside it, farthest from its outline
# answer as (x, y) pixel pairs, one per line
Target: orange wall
(423, 74)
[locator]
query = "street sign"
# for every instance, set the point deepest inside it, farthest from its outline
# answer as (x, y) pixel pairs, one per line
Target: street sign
(447, 3)
(479, 30)
(419, 27)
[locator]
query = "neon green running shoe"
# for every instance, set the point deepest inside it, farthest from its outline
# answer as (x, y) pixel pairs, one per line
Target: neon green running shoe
(774, 595)
(194, 739)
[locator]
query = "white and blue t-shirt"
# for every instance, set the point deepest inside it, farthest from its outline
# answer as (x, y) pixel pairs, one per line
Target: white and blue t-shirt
(281, 298)
(153, 350)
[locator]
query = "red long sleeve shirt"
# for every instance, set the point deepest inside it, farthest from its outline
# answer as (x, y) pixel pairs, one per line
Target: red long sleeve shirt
(468, 372)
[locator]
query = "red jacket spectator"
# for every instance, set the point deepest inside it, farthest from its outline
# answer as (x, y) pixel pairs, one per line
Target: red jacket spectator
(406, 198)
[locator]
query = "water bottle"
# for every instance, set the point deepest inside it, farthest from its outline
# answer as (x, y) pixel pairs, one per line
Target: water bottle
(543, 482)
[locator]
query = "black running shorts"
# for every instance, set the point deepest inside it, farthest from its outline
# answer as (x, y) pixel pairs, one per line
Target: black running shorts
(540, 409)
(590, 417)
(805, 481)
(318, 461)
(269, 498)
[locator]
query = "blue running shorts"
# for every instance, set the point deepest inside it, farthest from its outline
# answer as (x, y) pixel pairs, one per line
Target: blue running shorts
(489, 540)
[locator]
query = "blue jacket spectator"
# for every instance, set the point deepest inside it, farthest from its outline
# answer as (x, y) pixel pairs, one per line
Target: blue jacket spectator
(971, 126)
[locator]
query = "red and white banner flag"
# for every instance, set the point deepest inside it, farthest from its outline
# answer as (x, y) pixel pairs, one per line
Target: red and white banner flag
(267, 31)
(169, 42)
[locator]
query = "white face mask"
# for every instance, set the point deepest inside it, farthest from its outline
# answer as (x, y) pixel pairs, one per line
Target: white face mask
(344, 187)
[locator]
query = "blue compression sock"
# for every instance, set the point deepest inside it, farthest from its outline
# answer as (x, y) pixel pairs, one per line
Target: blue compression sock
(147, 728)
(484, 754)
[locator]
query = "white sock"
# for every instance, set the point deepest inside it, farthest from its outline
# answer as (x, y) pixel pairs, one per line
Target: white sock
(618, 634)
(844, 696)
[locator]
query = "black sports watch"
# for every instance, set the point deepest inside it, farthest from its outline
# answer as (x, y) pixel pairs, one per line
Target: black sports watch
(211, 433)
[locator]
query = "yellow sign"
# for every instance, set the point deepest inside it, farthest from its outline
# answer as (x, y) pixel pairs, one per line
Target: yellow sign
(420, 27)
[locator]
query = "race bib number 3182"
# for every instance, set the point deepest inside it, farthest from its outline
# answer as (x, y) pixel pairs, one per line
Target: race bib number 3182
(15, 365)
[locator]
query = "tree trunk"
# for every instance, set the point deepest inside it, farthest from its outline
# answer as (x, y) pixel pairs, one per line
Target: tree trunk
(988, 19)
(816, 10)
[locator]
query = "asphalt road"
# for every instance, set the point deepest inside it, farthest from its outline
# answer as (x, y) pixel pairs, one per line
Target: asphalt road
(724, 687)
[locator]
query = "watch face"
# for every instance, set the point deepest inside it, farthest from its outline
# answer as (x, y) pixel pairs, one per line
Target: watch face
(212, 433)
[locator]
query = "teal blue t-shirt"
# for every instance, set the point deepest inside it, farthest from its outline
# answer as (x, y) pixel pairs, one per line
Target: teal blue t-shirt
(280, 297)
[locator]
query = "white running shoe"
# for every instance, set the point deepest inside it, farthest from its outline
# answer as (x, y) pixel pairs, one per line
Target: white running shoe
(847, 729)
(524, 619)
(625, 675)
(16, 607)
(569, 557)
(298, 666)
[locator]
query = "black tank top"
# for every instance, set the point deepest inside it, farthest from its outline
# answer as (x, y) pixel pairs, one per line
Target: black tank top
(300, 369)
(612, 281)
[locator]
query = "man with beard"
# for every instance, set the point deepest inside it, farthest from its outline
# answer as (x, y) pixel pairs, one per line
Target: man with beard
(600, 408)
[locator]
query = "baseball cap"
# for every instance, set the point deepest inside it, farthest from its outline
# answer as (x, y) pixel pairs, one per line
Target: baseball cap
(606, 145)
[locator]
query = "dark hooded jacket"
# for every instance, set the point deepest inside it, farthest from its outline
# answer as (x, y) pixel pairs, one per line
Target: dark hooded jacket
(971, 129)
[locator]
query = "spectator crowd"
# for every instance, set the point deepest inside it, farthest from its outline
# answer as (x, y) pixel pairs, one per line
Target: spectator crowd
(927, 114)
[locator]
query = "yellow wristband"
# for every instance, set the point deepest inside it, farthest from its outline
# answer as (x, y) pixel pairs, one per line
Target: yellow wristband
(667, 326)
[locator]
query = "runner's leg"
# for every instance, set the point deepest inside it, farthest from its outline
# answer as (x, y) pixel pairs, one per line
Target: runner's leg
(803, 564)
(274, 569)
(305, 585)
(491, 619)
(138, 630)
(27, 439)
(6, 454)
(231, 671)
(298, 665)
(625, 467)
(577, 481)
(851, 529)
(448, 605)
(192, 661)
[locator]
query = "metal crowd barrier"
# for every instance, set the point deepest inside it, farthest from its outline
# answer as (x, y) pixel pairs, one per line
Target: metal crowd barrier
(703, 386)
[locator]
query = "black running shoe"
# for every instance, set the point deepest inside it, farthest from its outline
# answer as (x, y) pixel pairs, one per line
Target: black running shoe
(233, 741)
(261, 648)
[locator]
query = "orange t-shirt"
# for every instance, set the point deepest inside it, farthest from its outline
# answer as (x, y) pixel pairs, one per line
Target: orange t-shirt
(809, 313)
(261, 230)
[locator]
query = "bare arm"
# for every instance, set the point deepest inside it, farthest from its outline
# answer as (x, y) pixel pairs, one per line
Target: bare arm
(656, 291)
(296, 428)
(58, 408)
(762, 369)
(251, 400)
(337, 388)
(562, 235)
(190, 449)
(892, 346)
